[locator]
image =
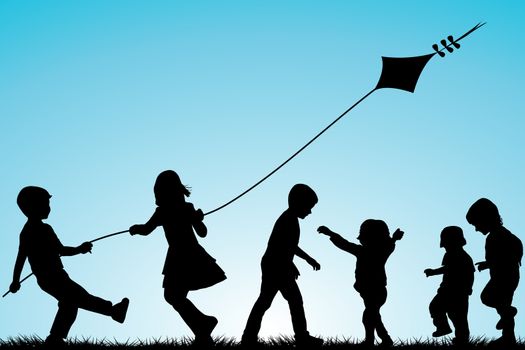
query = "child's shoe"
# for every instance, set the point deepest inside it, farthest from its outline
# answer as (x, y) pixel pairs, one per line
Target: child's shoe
(503, 342)
(120, 310)
(54, 342)
(307, 341)
(367, 343)
(202, 342)
(460, 341)
(387, 341)
(439, 332)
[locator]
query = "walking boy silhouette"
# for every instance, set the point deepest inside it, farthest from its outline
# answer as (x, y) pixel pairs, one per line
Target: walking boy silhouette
(279, 272)
(188, 266)
(503, 253)
(40, 245)
(370, 276)
(452, 296)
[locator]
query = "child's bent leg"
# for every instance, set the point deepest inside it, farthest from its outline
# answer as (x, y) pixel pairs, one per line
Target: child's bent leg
(263, 303)
(75, 294)
(199, 323)
(78, 295)
(438, 312)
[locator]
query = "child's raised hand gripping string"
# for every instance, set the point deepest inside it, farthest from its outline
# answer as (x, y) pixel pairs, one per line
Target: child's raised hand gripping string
(397, 235)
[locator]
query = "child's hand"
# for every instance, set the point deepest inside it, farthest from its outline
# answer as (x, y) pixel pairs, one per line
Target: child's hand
(397, 235)
(199, 214)
(14, 287)
(429, 272)
(85, 247)
(136, 230)
(482, 265)
(315, 265)
(324, 230)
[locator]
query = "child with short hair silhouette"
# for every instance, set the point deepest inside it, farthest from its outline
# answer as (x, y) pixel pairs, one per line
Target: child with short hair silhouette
(41, 247)
(188, 266)
(503, 253)
(279, 272)
(370, 276)
(452, 296)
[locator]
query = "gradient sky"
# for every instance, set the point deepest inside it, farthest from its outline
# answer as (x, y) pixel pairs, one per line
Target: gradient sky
(98, 97)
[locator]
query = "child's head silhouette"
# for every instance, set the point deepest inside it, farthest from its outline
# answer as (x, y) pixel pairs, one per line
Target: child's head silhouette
(301, 200)
(484, 216)
(373, 232)
(169, 189)
(452, 236)
(33, 201)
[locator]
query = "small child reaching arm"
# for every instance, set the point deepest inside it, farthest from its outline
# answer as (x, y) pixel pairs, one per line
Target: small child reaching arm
(370, 276)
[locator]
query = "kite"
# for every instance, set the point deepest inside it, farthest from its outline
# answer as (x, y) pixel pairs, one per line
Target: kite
(397, 73)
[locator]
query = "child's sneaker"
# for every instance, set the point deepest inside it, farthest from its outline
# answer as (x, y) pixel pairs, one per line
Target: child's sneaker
(439, 332)
(202, 342)
(387, 342)
(460, 341)
(120, 310)
(503, 341)
(248, 342)
(308, 340)
(54, 342)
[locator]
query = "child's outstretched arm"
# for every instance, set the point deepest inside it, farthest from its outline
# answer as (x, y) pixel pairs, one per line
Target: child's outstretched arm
(339, 241)
(81, 249)
(145, 229)
(17, 271)
(434, 272)
(303, 255)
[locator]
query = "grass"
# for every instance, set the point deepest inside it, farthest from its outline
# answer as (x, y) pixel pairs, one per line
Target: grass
(282, 342)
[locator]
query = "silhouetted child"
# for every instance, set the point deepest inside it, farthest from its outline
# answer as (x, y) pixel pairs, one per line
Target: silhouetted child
(452, 296)
(370, 276)
(503, 253)
(40, 245)
(279, 272)
(188, 266)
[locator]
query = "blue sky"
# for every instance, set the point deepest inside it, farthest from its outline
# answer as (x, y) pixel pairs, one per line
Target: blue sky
(98, 97)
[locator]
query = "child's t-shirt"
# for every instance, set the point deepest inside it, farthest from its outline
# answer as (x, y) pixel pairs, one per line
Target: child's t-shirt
(458, 275)
(282, 245)
(42, 247)
(503, 254)
(370, 273)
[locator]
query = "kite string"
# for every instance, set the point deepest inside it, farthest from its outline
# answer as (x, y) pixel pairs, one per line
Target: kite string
(291, 157)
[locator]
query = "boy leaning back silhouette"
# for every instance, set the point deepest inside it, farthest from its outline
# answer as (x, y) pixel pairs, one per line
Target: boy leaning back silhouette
(279, 272)
(503, 253)
(40, 245)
